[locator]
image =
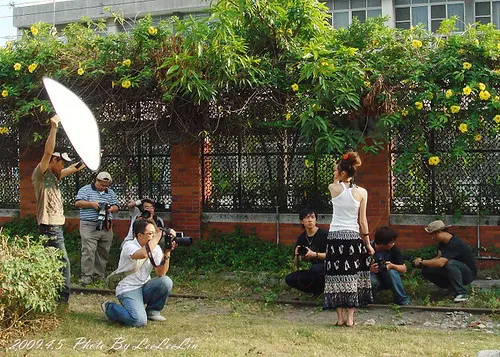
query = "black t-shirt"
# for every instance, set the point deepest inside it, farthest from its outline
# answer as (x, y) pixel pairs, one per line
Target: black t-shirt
(456, 249)
(392, 255)
(317, 243)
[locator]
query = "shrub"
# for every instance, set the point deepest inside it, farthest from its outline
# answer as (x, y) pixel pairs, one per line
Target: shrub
(233, 252)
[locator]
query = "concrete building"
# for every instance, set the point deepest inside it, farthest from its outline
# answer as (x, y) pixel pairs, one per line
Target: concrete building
(402, 13)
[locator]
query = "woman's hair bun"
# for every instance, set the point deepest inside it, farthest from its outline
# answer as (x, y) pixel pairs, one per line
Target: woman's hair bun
(352, 158)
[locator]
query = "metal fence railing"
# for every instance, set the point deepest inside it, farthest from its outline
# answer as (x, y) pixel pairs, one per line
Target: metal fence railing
(262, 172)
(469, 185)
(9, 167)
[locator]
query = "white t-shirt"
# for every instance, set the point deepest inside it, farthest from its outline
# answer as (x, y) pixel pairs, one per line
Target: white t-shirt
(142, 275)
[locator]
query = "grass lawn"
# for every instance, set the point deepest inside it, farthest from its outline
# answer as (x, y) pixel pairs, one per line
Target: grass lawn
(236, 328)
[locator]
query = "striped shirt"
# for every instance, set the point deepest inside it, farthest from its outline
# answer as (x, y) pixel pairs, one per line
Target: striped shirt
(90, 193)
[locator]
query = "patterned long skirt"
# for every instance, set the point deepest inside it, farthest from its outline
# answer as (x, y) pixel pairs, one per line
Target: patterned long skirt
(347, 281)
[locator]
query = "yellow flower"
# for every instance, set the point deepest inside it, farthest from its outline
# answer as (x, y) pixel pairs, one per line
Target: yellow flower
(476, 42)
(463, 128)
(126, 84)
(484, 95)
(8, 44)
(288, 116)
(308, 163)
(478, 137)
(481, 86)
(466, 90)
(295, 87)
(80, 71)
(32, 67)
(455, 109)
(289, 32)
(430, 96)
(416, 43)
(449, 94)
(5, 93)
(113, 84)
(367, 84)
(467, 65)
(17, 66)
(404, 112)
(375, 43)
(419, 105)
(152, 30)
(34, 30)
(42, 108)
(461, 51)
(324, 63)
(496, 118)
(420, 148)
(127, 62)
(434, 160)
(4, 130)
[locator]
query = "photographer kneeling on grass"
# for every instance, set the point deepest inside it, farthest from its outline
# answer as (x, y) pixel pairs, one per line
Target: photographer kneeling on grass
(453, 267)
(387, 265)
(311, 246)
(137, 260)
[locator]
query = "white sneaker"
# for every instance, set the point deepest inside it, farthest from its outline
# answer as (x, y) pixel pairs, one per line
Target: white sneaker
(461, 298)
(158, 318)
(104, 305)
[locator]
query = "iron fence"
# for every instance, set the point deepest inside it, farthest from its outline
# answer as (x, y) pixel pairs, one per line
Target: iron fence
(257, 173)
(9, 166)
(467, 185)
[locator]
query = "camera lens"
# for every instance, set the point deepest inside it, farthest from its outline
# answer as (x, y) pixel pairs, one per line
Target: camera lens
(302, 250)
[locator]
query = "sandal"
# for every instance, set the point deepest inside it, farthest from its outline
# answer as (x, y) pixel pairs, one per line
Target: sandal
(353, 324)
(340, 325)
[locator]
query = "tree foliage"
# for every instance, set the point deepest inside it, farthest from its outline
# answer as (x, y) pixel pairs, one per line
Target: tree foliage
(265, 64)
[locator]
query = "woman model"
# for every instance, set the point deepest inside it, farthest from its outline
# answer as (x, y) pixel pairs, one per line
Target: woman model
(347, 283)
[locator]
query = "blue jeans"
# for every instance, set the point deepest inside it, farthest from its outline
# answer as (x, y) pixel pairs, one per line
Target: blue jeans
(454, 276)
(132, 312)
(56, 240)
(390, 280)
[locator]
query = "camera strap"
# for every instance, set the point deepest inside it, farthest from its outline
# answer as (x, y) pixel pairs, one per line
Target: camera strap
(151, 258)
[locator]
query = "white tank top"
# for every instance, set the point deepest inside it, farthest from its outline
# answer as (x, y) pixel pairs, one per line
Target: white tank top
(345, 211)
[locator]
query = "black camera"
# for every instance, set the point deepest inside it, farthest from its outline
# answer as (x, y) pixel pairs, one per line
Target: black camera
(102, 217)
(302, 250)
(382, 266)
(146, 214)
(179, 239)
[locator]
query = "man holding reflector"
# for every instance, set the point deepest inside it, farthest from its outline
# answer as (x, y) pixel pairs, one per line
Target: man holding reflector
(49, 205)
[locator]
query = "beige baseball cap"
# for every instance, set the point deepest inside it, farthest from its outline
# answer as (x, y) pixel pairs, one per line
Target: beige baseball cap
(436, 226)
(104, 176)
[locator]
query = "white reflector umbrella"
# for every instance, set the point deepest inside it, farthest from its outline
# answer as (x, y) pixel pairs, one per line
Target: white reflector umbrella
(78, 122)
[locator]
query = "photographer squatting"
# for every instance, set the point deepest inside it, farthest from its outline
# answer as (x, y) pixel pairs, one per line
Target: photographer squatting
(96, 202)
(141, 297)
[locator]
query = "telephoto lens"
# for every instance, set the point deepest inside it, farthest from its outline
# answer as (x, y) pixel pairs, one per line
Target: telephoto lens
(183, 241)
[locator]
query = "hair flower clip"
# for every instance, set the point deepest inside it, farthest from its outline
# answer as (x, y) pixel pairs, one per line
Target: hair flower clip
(345, 157)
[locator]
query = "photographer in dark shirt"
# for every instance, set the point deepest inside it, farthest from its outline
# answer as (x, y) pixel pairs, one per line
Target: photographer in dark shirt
(387, 265)
(310, 246)
(453, 267)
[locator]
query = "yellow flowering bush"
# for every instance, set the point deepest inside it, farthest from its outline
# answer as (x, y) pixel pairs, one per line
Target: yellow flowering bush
(32, 67)
(416, 43)
(126, 84)
(484, 95)
(152, 30)
(434, 160)
(34, 30)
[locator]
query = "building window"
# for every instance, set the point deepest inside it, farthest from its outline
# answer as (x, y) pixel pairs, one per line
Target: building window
(487, 11)
(430, 13)
(343, 11)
